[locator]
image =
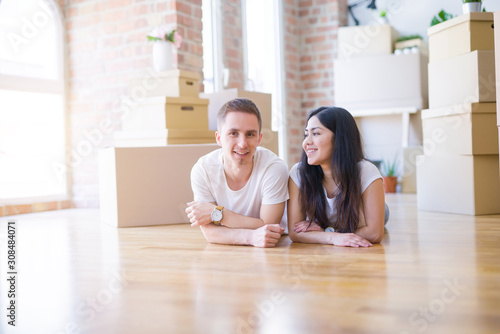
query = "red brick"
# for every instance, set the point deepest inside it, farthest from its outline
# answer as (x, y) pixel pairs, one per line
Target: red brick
(313, 76)
(315, 95)
(305, 3)
(17, 209)
(183, 8)
(138, 10)
(197, 12)
(1, 211)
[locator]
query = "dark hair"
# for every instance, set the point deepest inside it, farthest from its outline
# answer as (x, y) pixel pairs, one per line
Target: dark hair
(347, 152)
(239, 104)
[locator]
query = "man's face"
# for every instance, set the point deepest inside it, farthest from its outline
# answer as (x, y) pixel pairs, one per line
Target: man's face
(239, 137)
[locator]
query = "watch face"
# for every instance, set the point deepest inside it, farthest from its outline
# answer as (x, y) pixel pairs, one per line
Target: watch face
(216, 215)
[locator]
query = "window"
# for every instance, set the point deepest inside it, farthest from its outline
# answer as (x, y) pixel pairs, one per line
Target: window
(212, 48)
(32, 103)
(263, 52)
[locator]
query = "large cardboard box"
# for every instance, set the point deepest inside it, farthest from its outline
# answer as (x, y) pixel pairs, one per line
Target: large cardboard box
(497, 59)
(362, 41)
(162, 137)
(461, 129)
(168, 113)
(462, 79)
(174, 83)
(148, 185)
(270, 140)
(217, 100)
(387, 81)
(460, 35)
(462, 184)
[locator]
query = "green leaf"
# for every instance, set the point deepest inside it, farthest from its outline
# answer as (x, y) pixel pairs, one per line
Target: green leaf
(441, 17)
(170, 36)
(151, 38)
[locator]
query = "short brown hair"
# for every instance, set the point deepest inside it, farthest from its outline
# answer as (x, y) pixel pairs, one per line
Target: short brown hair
(238, 104)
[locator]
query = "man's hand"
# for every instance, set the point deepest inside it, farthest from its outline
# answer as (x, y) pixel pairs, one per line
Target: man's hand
(266, 236)
(307, 226)
(199, 213)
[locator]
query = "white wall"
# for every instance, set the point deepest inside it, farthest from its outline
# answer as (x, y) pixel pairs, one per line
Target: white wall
(411, 17)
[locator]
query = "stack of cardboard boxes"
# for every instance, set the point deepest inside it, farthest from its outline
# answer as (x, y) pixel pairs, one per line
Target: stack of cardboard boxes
(497, 66)
(145, 179)
(263, 102)
(170, 112)
(459, 171)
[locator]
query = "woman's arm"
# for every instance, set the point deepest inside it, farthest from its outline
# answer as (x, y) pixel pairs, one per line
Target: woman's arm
(296, 215)
(374, 211)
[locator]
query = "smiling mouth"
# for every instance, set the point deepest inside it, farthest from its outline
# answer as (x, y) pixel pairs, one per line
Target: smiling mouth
(311, 151)
(241, 154)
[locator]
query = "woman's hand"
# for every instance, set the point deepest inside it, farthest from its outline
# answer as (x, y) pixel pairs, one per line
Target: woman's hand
(350, 240)
(307, 226)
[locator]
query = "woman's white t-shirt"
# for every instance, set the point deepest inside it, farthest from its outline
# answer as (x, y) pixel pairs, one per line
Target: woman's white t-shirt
(268, 183)
(369, 173)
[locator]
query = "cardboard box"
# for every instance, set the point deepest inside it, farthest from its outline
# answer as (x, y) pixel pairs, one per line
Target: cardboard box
(162, 137)
(365, 41)
(409, 178)
(460, 35)
(174, 83)
(387, 81)
(462, 129)
(462, 79)
(462, 184)
(497, 59)
(419, 43)
(270, 140)
(217, 100)
(147, 186)
(168, 113)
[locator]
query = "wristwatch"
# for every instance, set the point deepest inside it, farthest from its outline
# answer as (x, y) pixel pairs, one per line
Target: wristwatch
(216, 215)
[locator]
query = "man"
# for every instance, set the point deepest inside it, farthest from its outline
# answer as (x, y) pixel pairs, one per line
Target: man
(239, 190)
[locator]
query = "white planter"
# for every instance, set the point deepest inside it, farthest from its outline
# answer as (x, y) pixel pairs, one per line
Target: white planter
(471, 7)
(163, 56)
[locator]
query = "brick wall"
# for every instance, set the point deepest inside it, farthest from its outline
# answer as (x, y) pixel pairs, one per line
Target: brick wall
(232, 38)
(106, 46)
(310, 37)
(293, 86)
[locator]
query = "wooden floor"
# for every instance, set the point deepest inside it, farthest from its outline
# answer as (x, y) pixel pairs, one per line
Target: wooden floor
(433, 273)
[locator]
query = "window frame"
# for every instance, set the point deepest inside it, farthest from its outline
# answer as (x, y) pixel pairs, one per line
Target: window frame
(57, 86)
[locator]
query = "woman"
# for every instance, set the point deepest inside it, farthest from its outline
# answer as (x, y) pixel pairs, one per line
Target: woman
(336, 197)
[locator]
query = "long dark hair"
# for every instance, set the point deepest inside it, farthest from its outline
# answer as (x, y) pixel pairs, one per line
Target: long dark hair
(347, 152)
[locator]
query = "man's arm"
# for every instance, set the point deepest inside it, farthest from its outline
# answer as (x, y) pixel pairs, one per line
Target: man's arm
(237, 229)
(199, 213)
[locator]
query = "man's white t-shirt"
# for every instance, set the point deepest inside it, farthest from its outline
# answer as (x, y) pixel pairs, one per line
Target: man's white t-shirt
(268, 183)
(369, 173)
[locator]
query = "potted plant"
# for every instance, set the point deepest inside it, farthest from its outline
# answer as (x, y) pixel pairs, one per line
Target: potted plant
(389, 176)
(165, 40)
(383, 17)
(441, 17)
(470, 6)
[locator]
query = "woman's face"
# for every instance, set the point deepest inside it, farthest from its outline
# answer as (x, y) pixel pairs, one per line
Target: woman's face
(317, 143)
